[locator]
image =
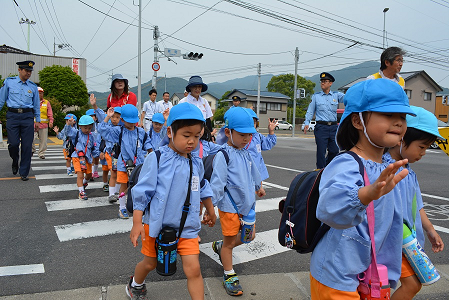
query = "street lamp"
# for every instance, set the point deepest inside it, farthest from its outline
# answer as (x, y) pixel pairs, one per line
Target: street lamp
(384, 37)
(29, 22)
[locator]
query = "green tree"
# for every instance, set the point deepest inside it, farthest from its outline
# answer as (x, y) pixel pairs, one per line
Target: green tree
(285, 83)
(222, 103)
(64, 85)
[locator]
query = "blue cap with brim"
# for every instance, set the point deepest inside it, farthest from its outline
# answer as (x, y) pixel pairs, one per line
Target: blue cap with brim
(130, 113)
(424, 121)
(86, 120)
(158, 118)
(69, 116)
(118, 110)
(379, 95)
(252, 113)
(240, 120)
(90, 112)
(184, 111)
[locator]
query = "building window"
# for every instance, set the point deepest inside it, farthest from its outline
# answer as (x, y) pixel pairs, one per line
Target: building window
(262, 109)
(273, 106)
(442, 116)
(427, 96)
(409, 93)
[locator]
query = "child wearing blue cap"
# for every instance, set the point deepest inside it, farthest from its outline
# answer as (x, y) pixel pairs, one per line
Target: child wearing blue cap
(86, 148)
(159, 196)
(422, 131)
(134, 144)
(157, 130)
(374, 119)
(234, 184)
(96, 161)
(63, 136)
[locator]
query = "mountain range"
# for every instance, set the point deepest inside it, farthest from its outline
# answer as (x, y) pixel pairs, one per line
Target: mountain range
(217, 89)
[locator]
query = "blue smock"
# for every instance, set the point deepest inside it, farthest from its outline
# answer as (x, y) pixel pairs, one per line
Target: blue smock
(156, 137)
(209, 148)
(89, 147)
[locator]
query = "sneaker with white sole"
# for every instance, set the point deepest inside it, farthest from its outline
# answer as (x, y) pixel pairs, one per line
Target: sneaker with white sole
(106, 187)
(232, 285)
(113, 198)
(95, 175)
(135, 293)
(82, 196)
(123, 214)
(69, 172)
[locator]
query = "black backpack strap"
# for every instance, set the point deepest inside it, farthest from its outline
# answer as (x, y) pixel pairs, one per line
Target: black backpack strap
(225, 154)
(158, 156)
(145, 136)
(186, 207)
(357, 159)
(120, 137)
(151, 133)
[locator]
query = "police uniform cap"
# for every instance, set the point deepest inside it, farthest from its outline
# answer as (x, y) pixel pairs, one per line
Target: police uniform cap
(27, 64)
(326, 76)
(236, 98)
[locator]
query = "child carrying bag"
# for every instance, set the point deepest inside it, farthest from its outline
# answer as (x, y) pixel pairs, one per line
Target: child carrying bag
(374, 281)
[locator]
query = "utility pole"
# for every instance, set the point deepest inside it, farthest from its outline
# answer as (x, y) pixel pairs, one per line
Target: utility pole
(156, 50)
(259, 66)
(29, 22)
(294, 89)
(60, 46)
(139, 61)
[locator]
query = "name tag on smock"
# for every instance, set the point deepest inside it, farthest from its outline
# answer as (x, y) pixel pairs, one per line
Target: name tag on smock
(258, 148)
(195, 183)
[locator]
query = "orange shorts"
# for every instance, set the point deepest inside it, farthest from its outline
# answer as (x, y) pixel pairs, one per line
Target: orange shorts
(66, 154)
(122, 177)
(319, 291)
(108, 165)
(406, 268)
(185, 246)
(230, 223)
(77, 166)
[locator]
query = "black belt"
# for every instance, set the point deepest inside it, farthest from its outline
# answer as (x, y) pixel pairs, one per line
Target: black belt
(20, 110)
(148, 119)
(326, 123)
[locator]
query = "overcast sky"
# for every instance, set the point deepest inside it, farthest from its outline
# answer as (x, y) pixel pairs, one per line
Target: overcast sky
(329, 34)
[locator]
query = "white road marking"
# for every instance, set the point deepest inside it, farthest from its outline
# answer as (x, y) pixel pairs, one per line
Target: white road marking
(442, 229)
(22, 270)
(49, 168)
(45, 161)
(76, 203)
(435, 197)
(68, 187)
(93, 229)
(287, 169)
(264, 183)
(265, 244)
(47, 157)
(61, 175)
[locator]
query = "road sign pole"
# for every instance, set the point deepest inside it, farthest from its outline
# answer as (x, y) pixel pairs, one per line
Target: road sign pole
(294, 90)
(156, 49)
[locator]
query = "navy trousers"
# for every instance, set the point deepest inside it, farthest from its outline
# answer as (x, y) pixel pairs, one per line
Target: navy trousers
(20, 129)
(325, 141)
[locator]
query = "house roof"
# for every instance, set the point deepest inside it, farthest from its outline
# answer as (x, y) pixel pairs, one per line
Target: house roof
(253, 93)
(204, 93)
(179, 95)
(8, 49)
(405, 75)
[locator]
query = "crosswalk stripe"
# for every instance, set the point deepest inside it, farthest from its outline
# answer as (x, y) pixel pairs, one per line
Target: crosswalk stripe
(264, 183)
(22, 270)
(66, 187)
(38, 162)
(92, 229)
(287, 169)
(59, 176)
(59, 205)
(49, 168)
(47, 157)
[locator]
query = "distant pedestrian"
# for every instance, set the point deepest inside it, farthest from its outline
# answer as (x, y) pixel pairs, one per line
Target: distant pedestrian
(150, 108)
(324, 106)
(22, 98)
(164, 103)
(391, 62)
(236, 101)
(120, 93)
(46, 121)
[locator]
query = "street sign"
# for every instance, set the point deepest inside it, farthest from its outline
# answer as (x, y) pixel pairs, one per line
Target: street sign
(172, 52)
(155, 66)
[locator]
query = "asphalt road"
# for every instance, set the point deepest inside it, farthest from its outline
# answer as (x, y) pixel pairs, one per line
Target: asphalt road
(36, 232)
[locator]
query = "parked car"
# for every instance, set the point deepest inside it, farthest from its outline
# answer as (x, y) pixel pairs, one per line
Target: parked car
(283, 125)
(311, 126)
(441, 124)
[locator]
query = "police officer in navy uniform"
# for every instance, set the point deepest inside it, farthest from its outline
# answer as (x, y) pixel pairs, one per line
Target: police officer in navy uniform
(22, 98)
(324, 106)
(236, 101)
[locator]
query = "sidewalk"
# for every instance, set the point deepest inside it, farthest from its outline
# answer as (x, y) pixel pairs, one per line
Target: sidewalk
(279, 286)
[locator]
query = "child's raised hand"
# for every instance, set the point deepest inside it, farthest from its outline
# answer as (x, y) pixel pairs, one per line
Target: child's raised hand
(385, 183)
(71, 121)
(93, 100)
(56, 129)
(110, 112)
(436, 241)
(136, 231)
(165, 113)
(272, 124)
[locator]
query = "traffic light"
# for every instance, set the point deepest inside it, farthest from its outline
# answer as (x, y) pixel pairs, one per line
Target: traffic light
(192, 55)
(302, 93)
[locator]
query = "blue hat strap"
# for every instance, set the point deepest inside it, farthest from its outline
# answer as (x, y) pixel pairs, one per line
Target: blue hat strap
(366, 134)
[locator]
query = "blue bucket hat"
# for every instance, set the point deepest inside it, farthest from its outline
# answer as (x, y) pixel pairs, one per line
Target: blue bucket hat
(159, 118)
(68, 116)
(239, 119)
(118, 109)
(196, 80)
(120, 77)
(424, 121)
(90, 112)
(184, 111)
(130, 113)
(379, 95)
(86, 120)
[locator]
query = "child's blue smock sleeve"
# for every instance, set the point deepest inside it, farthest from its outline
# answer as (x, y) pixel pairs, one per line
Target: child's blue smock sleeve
(219, 176)
(213, 148)
(145, 188)
(109, 133)
(95, 148)
(205, 190)
(71, 132)
(147, 144)
(100, 115)
(267, 142)
(255, 174)
(339, 205)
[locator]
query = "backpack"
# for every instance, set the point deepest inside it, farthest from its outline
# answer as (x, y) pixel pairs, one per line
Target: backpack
(70, 146)
(299, 227)
(208, 163)
(134, 178)
(117, 148)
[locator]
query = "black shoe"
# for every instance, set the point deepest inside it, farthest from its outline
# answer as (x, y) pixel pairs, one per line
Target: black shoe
(24, 178)
(15, 169)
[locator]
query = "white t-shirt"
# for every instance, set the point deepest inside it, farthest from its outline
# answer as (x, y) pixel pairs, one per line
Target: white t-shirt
(201, 103)
(150, 108)
(162, 105)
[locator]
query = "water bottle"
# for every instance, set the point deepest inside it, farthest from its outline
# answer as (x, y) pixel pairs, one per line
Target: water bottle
(114, 163)
(248, 226)
(420, 262)
(82, 159)
(166, 254)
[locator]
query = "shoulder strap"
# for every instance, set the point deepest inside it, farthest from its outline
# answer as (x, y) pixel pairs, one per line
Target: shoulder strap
(200, 154)
(145, 136)
(120, 137)
(186, 207)
(151, 132)
(76, 138)
(158, 156)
